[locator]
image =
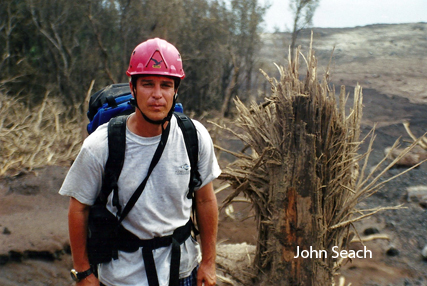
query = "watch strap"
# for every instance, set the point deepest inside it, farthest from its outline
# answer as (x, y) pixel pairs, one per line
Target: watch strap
(84, 274)
(78, 276)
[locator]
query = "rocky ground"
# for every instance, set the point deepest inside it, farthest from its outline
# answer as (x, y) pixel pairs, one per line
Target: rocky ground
(389, 61)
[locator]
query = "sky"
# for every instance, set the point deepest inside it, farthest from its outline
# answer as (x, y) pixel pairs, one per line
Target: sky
(349, 13)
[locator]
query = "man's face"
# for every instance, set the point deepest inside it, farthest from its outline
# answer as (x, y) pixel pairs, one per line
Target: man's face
(154, 95)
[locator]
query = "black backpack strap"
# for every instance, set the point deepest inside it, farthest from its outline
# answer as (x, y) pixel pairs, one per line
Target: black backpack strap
(117, 142)
(116, 157)
(192, 144)
(156, 158)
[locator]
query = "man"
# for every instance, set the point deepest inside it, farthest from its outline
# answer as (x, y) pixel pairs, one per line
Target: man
(156, 70)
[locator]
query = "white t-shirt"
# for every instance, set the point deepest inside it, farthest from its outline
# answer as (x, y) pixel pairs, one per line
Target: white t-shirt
(162, 207)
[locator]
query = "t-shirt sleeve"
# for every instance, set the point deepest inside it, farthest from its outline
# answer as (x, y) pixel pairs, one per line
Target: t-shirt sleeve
(84, 179)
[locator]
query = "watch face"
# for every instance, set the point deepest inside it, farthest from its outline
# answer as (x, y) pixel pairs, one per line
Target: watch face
(73, 274)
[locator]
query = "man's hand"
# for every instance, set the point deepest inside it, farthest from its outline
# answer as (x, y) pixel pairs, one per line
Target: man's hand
(206, 275)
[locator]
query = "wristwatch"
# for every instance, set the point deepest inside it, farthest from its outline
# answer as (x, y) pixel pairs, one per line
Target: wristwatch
(78, 276)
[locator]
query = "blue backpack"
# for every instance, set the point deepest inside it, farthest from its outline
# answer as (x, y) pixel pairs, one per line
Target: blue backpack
(109, 102)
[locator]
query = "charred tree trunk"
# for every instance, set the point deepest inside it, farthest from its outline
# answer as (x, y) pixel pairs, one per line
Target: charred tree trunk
(294, 186)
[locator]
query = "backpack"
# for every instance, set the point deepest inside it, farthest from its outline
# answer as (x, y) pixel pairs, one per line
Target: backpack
(106, 104)
(109, 102)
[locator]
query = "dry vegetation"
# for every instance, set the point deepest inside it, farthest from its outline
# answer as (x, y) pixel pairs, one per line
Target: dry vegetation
(302, 130)
(422, 141)
(46, 134)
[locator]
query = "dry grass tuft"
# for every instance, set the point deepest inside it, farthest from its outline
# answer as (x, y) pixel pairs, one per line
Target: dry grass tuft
(422, 141)
(47, 134)
(297, 112)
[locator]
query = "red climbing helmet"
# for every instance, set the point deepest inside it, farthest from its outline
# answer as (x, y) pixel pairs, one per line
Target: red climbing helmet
(156, 57)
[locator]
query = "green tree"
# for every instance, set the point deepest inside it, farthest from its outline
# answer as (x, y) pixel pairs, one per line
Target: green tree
(14, 47)
(62, 46)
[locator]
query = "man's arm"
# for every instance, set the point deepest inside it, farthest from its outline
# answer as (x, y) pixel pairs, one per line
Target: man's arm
(207, 221)
(78, 215)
